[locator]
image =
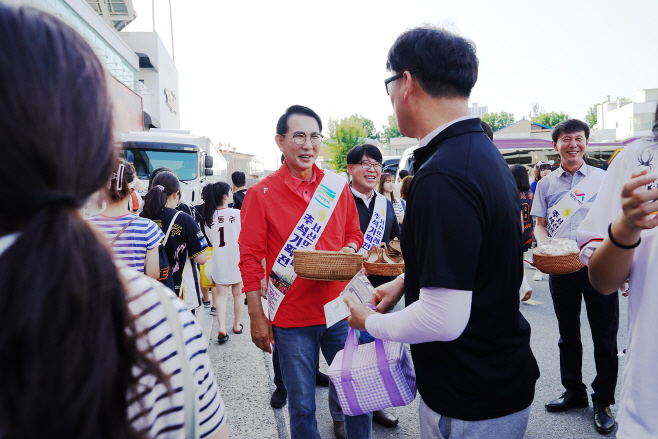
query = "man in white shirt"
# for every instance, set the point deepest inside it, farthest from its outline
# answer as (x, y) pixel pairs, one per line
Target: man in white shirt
(575, 180)
(462, 317)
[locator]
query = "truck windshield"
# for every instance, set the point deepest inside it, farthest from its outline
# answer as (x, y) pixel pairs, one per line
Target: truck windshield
(184, 164)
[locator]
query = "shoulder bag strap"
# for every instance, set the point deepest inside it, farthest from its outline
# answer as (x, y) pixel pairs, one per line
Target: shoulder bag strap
(189, 409)
(122, 230)
(171, 224)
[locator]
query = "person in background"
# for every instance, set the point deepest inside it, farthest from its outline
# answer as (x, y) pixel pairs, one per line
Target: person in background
(470, 344)
(185, 237)
(402, 174)
(520, 174)
(404, 189)
(618, 242)
(577, 182)
(272, 210)
(239, 191)
(205, 291)
(133, 239)
(487, 129)
(364, 164)
(95, 355)
(385, 188)
(541, 170)
(221, 224)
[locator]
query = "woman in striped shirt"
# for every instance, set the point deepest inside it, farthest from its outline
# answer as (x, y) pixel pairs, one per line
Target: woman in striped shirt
(133, 239)
(86, 349)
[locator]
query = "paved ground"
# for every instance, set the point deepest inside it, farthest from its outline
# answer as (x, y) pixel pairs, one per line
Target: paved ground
(244, 374)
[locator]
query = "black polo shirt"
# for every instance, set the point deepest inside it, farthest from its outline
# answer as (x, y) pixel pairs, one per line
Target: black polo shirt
(462, 230)
(391, 229)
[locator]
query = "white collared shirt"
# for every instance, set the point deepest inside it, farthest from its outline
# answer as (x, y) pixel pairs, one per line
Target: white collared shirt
(436, 132)
(366, 200)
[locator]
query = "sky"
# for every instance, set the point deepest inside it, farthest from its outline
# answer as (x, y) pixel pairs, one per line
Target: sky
(242, 63)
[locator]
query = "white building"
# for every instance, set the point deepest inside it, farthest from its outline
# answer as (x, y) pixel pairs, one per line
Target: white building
(479, 110)
(158, 76)
(144, 86)
(629, 117)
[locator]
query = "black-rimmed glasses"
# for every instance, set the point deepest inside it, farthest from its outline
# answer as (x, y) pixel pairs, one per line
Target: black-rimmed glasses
(300, 138)
(396, 77)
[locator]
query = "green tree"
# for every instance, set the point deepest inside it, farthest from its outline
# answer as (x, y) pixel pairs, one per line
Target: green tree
(343, 135)
(498, 121)
(591, 117)
(368, 125)
(550, 119)
(391, 129)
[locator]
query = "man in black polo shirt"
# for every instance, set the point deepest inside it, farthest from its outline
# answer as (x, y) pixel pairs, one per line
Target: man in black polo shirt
(364, 164)
(239, 191)
(461, 241)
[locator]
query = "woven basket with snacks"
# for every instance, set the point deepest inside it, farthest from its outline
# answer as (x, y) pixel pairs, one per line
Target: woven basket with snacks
(560, 256)
(385, 262)
(326, 265)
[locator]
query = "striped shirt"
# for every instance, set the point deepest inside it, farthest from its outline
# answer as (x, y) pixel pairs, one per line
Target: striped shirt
(153, 412)
(398, 208)
(140, 236)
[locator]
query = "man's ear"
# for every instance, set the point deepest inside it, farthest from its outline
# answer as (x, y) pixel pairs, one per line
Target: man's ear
(554, 145)
(409, 86)
(349, 169)
(279, 141)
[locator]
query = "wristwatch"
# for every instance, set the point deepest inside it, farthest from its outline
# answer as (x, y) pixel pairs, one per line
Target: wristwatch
(353, 248)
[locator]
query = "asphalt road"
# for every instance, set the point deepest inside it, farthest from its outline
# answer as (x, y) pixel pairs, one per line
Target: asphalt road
(244, 375)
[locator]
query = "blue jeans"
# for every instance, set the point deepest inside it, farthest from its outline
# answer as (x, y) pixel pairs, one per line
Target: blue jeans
(299, 350)
(334, 405)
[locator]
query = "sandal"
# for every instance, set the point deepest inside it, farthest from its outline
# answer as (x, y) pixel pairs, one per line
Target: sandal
(240, 331)
(221, 338)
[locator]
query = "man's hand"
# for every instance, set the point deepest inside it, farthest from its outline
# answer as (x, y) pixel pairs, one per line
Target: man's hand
(261, 328)
(388, 295)
(359, 314)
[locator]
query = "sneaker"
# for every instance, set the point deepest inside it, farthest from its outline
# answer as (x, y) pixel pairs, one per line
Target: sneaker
(537, 276)
(206, 303)
(213, 311)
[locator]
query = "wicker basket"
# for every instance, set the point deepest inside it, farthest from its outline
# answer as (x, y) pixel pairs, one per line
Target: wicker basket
(326, 265)
(381, 269)
(558, 264)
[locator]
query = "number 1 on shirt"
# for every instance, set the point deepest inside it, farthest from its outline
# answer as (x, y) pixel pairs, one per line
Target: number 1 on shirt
(222, 243)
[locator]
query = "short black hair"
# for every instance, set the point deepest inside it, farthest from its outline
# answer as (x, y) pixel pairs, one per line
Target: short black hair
(282, 124)
(238, 179)
(569, 126)
(487, 129)
(447, 64)
(403, 173)
(520, 174)
(357, 152)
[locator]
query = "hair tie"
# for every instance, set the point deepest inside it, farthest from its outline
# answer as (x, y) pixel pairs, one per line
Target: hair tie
(50, 199)
(159, 187)
(118, 176)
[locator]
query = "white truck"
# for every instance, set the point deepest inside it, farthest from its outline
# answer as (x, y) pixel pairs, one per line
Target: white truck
(194, 159)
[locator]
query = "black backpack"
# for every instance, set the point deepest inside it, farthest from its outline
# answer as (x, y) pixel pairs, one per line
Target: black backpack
(166, 277)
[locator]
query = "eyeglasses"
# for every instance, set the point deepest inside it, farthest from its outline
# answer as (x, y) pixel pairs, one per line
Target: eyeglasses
(300, 138)
(396, 77)
(367, 165)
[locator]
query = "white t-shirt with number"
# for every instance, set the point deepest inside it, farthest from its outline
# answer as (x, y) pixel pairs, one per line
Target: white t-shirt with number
(223, 235)
(638, 404)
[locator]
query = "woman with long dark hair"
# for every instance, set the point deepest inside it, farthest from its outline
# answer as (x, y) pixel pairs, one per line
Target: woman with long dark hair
(520, 174)
(221, 224)
(80, 356)
(183, 236)
(385, 187)
(134, 240)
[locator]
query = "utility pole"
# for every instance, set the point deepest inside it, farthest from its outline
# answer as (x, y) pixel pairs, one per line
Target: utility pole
(171, 25)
